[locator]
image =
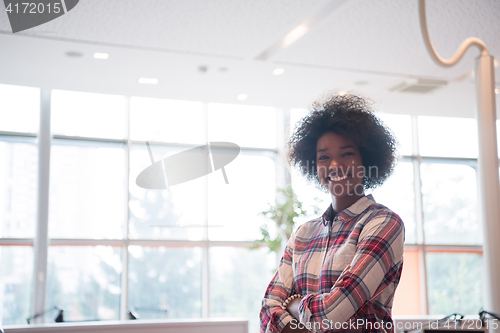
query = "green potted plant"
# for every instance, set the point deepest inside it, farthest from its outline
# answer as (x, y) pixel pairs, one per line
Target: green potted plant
(284, 214)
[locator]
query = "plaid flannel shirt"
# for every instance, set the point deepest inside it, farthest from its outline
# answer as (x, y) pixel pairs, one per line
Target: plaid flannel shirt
(366, 235)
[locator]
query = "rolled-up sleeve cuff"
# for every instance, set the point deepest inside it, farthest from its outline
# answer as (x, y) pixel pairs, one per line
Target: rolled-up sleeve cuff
(304, 312)
(280, 320)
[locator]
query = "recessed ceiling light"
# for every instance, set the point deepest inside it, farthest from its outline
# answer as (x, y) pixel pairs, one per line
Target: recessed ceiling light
(148, 80)
(497, 91)
(74, 54)
(278, 71)
(99, 55)
(242, 97)
(496, 63)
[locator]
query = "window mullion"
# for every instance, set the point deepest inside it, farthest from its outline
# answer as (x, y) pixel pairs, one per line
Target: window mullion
(205, 273)
(283, 177)
(424, 302)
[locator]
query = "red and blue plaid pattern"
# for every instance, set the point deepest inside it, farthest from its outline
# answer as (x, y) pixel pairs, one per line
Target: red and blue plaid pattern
(369, 237)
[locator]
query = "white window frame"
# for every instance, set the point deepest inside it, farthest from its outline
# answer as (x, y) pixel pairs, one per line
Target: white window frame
(41, 241)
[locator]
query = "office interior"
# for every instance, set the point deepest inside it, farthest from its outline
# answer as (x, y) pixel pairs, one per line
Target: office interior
(93, 97)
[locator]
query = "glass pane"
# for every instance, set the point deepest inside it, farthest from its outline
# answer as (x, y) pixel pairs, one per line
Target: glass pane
(449, 204)
(162, 120)
(176, 213)
(247, 126)
(498, 137)
(165, 282)
(409, 286)
(447, 137)
(295, 116)
(238, 280)
(84, 281)
(234, 208)
(88, 114)
(314, 201)
(397, 194)
(454, 283)
(401, 127)
(16, 278)
(18, 188)
(88, 197)
(19, 108)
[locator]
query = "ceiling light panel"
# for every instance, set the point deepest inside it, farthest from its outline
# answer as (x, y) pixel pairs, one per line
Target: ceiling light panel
(278, 71)
(148, 80)
(100, 55)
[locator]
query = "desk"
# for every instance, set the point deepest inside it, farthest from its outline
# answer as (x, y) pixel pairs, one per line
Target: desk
(219, 325)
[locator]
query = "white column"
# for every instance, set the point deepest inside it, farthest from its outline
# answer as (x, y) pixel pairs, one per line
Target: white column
(125, 257)
(489, 181)
(41, 241)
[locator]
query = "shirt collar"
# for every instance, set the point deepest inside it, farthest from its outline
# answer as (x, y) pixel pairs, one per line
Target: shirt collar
(350, 212)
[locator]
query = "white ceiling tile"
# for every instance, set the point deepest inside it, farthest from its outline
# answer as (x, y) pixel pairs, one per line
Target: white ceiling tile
(384, 36)
(212, 27)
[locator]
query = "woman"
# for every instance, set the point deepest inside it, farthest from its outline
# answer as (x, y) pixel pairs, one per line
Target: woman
(339, 272)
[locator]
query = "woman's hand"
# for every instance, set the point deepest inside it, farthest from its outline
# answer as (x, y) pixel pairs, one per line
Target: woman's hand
(342, 275)
(293, 307)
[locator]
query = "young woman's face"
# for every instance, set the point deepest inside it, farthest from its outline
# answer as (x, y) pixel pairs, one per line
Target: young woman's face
(340, 167)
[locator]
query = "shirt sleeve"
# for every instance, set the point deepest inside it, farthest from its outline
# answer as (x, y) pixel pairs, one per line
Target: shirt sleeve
(272, 317)
(379, 255)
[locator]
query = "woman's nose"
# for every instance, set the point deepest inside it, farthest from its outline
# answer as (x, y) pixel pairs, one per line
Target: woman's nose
(334, 164)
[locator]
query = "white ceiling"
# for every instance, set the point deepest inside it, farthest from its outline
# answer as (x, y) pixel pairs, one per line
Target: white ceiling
(363, 45)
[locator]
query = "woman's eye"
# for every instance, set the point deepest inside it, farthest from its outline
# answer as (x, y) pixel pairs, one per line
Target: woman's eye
(322, 158)
(348, 154)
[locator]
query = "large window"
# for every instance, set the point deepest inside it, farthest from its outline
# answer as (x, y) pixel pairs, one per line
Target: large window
(116, 247)
(182, 251)
(19, 110)
(443, 232)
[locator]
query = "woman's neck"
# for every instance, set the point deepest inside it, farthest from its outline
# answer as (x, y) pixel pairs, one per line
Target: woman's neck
(341, 203)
